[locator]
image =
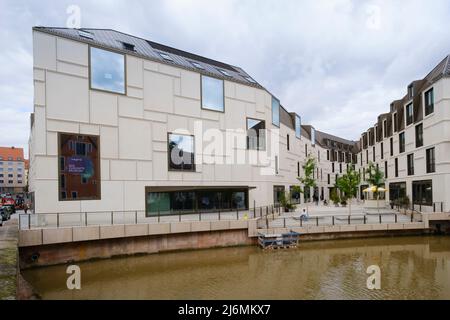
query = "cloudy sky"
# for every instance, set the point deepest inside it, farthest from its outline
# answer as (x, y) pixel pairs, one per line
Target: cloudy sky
(337, 63)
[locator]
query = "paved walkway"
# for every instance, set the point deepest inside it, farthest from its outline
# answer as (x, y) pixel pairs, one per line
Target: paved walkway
(331, 215)
(8, 258)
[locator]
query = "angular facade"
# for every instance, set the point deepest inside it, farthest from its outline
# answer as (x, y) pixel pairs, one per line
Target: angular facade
(121, 123)
(411, 143)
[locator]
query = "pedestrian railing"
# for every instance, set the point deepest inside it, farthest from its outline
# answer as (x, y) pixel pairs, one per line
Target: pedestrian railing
(271, 222)
(80, 219)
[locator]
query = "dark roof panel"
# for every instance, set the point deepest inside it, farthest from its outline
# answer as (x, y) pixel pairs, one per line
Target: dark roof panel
(151, 50)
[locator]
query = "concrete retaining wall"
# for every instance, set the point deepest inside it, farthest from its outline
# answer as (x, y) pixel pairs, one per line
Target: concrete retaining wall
(59, 253)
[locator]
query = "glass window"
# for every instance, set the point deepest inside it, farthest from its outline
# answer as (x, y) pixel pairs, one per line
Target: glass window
(385, 170)
(395, 123)
(382, 150)
(107, 70)
(419, 135)
(391, 142)
(82, 163)
(401, 142)
(396, 167)
(298, 126)
(313, 137)
(181, 152)
(409, 114)
(429, 102)
(256, 134)
(423, 192)
(410, 160)
(287, 142)
(187, 201)
(275, 112)
(212, 94)
(431, 161)
(165, 56)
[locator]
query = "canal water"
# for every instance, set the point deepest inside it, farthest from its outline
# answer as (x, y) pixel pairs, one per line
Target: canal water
(411, 268)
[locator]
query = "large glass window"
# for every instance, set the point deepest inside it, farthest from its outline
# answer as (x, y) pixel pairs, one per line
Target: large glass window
(181, 152)
(298, 126)
(431, 162)
(409, 114)
(79, 174)
(189, 201)
(212, 94)
(423, 192)
(401, 142)
(419, 135)
(429, 102)
(107, 70)
(256, 134)
(275, 112)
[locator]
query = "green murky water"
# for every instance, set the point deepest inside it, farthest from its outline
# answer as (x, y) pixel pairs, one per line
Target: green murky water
(411, 268)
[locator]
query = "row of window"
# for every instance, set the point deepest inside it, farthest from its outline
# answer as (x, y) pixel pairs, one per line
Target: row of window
(11, 181)
(10, 175)
(11, 159)
(430, 163)
(401, 139)
(108, 74)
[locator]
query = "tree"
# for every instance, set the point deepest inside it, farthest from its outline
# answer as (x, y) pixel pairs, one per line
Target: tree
(308, 180)
(348, 184)
(376, 179)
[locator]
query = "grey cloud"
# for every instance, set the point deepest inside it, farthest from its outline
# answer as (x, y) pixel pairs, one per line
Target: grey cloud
(336, 63)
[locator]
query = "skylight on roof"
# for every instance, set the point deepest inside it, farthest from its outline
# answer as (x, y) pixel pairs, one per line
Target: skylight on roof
(85, 34)
(250, 79)
(128, 46)
(165, 56)
(225, 73)
(197, 65)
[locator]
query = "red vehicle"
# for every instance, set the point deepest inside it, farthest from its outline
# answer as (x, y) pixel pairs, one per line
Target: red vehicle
(8, 201)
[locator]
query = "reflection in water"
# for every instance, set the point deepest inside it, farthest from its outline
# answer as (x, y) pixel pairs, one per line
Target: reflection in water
(411, 268)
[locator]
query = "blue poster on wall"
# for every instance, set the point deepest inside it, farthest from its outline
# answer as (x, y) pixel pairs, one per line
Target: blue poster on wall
(80, 165)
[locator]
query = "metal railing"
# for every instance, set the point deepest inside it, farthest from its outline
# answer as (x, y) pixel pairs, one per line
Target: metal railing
(334, 220)
(84, 219)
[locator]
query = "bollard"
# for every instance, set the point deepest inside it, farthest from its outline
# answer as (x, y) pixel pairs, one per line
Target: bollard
(348, 219)
(317, 221)
(284, 222)
(332, 220)
(396, 218)
(112, 218)
(85, 219)
(135, 217)
(379, 217)
(57, 220)
(364, 219)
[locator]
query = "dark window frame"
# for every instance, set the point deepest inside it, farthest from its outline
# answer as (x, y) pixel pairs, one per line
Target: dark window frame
(125, 80)
(258, 137)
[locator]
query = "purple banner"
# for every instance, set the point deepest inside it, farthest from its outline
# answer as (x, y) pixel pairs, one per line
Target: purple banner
(76, 165)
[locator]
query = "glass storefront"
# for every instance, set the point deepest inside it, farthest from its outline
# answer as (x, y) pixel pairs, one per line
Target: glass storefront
(397, 191)
(192, 201)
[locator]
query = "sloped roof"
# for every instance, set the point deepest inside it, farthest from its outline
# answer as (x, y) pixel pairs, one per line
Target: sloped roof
(113, 39)
(11, 152)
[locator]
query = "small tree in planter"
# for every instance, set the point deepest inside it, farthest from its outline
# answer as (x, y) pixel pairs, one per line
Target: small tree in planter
(348, 184)
(376, 179)
(334, 197)
(308, 180)
(285, 202)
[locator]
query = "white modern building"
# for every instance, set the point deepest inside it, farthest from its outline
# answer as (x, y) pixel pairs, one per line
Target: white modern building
(411, 143)
(121, 124)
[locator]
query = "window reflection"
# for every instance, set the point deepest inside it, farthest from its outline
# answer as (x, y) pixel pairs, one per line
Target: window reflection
(181, 152)
(256, 134)
(107, 70)
(212, 94)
